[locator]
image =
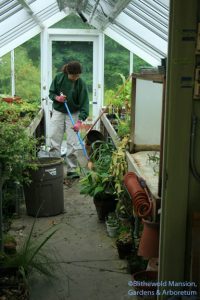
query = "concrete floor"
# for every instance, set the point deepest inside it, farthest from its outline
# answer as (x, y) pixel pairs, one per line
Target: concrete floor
(87, 266)
(90, 267)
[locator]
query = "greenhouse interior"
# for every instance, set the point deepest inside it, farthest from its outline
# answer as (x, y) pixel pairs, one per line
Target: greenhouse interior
(100, 135)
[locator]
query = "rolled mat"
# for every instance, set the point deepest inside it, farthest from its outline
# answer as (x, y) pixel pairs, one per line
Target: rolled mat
(141, 203)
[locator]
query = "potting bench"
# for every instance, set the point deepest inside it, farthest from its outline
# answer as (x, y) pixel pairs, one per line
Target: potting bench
(147, 110)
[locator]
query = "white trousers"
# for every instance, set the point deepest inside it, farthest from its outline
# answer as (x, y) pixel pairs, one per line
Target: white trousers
(60, 122)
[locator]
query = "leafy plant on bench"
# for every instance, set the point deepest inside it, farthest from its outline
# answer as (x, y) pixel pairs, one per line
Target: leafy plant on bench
(154, 160)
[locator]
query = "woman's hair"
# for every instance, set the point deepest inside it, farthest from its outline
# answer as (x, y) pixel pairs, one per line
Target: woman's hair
(73, 67)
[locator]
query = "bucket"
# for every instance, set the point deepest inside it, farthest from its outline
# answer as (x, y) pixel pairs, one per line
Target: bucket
(92, 137)
(112, 230)
(144, 280)
(44, 196)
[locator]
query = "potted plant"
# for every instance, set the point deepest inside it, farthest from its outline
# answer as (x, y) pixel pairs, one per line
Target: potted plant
(9, 244)
(135, 263)
(124, 243)
(15, 269)
(124, 209)
(16, 152)
(112, 225)
(12, 112)
(154, 161)
(122, 98)
(123, 128)
(11, 99)
(143, 277)
(98, 182)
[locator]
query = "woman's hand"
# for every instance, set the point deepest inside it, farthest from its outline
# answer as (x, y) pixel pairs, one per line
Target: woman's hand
(60, 98)
(77, 126)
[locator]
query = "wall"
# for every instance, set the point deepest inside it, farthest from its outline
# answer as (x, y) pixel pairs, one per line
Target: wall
(180, 194)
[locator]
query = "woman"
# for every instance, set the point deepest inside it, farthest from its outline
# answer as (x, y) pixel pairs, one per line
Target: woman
(68, 86)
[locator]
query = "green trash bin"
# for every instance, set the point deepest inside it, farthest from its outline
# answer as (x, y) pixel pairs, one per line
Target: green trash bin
(44, 196)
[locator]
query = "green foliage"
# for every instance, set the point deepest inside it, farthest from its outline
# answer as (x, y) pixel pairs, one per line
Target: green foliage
(16, 151)
(32, 47)
(125, 236)
(116, 61)
(122, 96)
(17, 148)
(27, 76)
(5, 77)
(109, 167)
(123, 128)
(13, 111)
(98, 179)
(112, 220)
(8, 238)
(109, 94)
(9, 195)
(124, 207)
(154, 161)
(65, 51)
(139, 63)
(118, 166)
(136, 263)
(30, 255)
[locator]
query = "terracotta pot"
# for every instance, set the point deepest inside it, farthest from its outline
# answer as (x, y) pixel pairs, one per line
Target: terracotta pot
(10, 247)
(145, 276)
(11, 99)
(149, 241)
(141, 203)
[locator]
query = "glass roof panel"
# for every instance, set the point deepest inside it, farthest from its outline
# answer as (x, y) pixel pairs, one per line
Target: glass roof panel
(139, 25)
(143, 27)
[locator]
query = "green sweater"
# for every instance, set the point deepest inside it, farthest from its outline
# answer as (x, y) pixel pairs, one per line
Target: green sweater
(76, 92)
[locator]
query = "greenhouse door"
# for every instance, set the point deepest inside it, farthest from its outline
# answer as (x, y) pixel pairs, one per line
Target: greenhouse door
(71, 43)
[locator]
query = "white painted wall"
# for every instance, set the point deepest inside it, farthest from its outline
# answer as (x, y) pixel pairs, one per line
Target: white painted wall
(148, 112)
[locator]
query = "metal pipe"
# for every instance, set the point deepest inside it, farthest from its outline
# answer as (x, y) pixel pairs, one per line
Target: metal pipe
(93, 11)
(12, 60)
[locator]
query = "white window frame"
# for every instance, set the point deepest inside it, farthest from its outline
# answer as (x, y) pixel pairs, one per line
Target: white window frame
(84, 35)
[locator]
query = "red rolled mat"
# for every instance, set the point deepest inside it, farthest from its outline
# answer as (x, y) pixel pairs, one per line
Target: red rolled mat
(141, 203)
